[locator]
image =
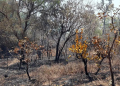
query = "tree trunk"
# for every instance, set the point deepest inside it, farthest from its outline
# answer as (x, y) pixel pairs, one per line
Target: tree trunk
(57, 49)
(22, 57)
(112, 75)
(104, 26)
(27, 72)
(85, 66)
(48, 56)
(109, 57)
(20, 64)
(99, 67)
(58, 52)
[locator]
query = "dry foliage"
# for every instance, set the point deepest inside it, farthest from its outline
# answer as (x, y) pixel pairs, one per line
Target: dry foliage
(48, 73)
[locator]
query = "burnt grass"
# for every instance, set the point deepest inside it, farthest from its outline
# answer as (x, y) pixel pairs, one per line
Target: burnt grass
(11, 73)
(12, 76)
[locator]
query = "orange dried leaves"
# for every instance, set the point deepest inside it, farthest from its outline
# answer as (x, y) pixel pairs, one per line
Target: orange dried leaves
(26, 45)
(16, 50)
(79, 47)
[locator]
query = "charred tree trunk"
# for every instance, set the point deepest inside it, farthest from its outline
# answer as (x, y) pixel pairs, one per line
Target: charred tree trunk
(112, 75)
(48, 56)
(22, 56)
(27, 71)
(85, 65)
(20, 64)
(84, 61)
(99, 67)
(57, 49)
(109, 55)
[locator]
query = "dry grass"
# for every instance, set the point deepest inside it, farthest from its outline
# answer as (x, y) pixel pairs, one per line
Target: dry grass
(48, 73)
(2, 80)
(14, 61)
(45, 75)
(9, 62)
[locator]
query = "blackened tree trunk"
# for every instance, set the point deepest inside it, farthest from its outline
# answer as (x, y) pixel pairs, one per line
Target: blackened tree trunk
(84, 61)
(20, 64)
(22, 56)
(109, 55)
(27, 71)
(112, 75)
(48, 49)
(85, 65)
(57, 49)
(99, 67)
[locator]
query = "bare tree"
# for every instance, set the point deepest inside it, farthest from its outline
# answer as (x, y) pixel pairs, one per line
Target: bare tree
(65, 20)
(104, 8)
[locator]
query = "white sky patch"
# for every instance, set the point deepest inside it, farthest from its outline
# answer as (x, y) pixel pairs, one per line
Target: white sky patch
(115, 2)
